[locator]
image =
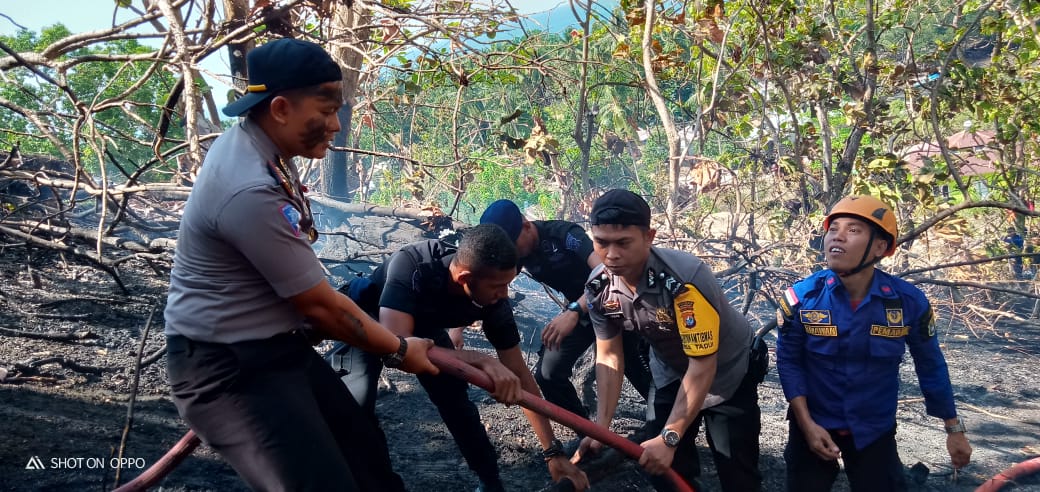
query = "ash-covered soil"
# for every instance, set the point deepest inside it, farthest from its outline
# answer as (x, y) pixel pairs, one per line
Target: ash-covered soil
(63, 403)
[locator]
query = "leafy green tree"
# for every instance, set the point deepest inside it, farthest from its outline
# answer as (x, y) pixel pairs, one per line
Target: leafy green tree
(121, 95)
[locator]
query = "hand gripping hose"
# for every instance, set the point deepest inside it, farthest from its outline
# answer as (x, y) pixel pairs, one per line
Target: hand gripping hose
(447, 361)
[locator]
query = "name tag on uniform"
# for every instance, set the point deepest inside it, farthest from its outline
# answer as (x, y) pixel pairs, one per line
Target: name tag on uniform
(822, 330)
(815, 316)
(889, 331)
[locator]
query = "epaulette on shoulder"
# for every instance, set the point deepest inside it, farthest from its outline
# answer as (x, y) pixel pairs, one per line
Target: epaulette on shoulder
(597, 283)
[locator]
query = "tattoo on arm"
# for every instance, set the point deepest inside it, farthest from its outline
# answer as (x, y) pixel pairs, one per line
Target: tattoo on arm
(354, 324)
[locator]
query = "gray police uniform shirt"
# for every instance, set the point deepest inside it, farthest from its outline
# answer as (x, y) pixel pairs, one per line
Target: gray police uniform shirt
(240, 252)
(679, 307)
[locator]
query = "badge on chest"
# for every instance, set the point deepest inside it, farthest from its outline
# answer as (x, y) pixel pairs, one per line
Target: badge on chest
(612, 308)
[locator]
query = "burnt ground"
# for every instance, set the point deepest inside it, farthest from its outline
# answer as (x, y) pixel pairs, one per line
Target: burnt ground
(74, 416)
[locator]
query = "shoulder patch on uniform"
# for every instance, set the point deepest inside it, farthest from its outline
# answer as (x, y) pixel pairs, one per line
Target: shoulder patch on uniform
(698, 322)
(927, 323)
(789, 302)
(572, 243)
(293, 217)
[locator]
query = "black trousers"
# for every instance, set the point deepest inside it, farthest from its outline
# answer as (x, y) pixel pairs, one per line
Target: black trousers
(732, 429)
(874, 468)
(555, 367)
(449, 394)
(279, 415)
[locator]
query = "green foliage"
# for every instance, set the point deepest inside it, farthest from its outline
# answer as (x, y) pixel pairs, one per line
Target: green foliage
(92, 82)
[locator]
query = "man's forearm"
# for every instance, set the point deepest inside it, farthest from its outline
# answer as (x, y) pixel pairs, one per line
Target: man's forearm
(336, 316)
(610, 368)
(694, 388)
(800, 411)
(541, 425)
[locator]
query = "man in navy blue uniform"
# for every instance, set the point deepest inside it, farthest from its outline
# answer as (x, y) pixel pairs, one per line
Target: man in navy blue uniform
(560, 254)
(843, 335)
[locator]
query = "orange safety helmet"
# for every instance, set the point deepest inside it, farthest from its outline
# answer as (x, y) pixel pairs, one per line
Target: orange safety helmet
(871, 210)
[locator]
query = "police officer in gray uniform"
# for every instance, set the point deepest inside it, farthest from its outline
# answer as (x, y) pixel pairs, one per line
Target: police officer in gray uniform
(560, 254)
(246, 284)
(700, 348)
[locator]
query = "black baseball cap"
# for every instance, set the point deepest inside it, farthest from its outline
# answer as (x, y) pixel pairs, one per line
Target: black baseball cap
(506, 215)
(620, 207)
(280, 65)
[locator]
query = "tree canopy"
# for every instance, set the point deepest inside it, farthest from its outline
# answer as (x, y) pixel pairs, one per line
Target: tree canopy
(741, 121)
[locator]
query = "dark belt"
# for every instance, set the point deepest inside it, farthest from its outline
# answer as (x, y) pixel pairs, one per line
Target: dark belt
(176, 342)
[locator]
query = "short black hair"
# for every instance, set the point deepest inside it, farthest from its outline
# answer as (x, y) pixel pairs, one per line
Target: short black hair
(486, 247)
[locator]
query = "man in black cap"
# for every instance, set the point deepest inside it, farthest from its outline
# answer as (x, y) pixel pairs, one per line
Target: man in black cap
(560, 254)
(699, 348)
(247, 296)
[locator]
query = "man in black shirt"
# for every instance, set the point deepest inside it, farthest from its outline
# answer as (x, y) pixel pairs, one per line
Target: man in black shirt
(431, 286)
(560, 254)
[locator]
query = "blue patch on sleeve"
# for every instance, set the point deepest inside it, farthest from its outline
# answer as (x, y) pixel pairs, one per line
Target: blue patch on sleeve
(293, 217)
(573, 243)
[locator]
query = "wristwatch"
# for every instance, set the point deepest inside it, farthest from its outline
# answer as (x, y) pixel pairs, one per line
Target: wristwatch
(555, 449)
(574, 306)
(671, 438)
(394, 359)
(958, 427)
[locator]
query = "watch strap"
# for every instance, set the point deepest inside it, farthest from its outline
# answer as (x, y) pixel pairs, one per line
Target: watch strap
(394, 359)
(574, 306)
(955, 428)
(555, 449)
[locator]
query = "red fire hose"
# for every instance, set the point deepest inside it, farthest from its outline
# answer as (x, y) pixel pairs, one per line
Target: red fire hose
(1023, 469)
(447, 361)
(164, 466)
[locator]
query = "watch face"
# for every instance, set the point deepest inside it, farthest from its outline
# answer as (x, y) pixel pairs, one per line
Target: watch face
(671, 438)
